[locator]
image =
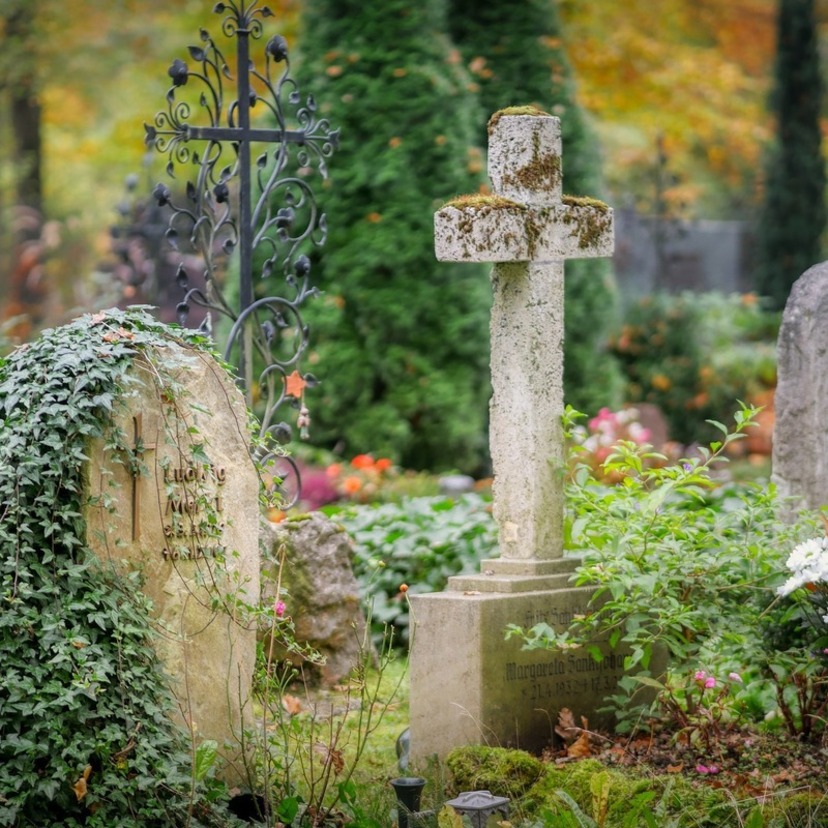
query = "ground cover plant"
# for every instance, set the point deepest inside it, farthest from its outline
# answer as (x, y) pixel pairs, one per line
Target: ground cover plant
(693, 355)
(414, 545)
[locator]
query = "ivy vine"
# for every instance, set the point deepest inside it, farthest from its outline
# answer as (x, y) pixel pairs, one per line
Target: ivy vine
(85, 732)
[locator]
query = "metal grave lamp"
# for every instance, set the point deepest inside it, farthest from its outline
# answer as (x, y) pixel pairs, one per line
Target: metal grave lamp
(479, 806)
(408, 790)
(231, 203)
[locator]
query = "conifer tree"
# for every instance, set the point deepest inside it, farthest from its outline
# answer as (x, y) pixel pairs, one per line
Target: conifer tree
(793, 214)
(515, 52)
(401, 340)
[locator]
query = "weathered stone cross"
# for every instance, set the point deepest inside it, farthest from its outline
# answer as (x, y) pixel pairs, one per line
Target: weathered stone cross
(527, 228)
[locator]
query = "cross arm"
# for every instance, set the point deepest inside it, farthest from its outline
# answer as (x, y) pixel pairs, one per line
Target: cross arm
(496, 229)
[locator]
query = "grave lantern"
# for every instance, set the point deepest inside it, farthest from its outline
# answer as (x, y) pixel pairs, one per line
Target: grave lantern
(479, 806)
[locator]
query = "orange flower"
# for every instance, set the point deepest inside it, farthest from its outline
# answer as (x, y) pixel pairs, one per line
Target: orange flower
(351, 485)
(383, 464)
(276, 515)
(363, 461)
(334, 470)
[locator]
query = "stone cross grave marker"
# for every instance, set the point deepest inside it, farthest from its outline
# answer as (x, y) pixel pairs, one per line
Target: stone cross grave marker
(469, 685)
(800, 440)
(186, 517)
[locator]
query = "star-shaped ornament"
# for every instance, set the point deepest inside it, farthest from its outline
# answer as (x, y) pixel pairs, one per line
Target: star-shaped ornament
(294, 385)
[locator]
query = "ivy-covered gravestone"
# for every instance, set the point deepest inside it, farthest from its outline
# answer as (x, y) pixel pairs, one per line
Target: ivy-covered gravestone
(174, 498)
(129, 511)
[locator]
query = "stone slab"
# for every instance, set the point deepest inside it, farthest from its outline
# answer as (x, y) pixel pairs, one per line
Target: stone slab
(508, 566)
(194, 461)
(489, 582)
(471, 686)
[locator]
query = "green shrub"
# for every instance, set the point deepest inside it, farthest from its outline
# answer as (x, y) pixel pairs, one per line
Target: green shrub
(401, 340)
(418, 542)
(689, 566)
(695, 356)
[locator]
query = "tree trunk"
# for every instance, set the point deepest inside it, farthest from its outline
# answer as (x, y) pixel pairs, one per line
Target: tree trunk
(25, 112)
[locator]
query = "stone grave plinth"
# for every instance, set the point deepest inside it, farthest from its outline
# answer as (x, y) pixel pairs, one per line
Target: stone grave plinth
(182, 510)
(468, 684)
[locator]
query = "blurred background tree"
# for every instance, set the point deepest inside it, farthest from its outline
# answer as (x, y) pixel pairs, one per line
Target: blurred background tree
(401, 340)
(792, 219)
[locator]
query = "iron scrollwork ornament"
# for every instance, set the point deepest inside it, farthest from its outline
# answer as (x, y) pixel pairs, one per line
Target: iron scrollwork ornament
(276, 219)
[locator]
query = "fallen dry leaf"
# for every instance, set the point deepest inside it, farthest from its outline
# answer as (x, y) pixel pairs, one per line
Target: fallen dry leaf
(292, 704)
(330, 756)
(566, 727)
(580, 747)
(80, 787)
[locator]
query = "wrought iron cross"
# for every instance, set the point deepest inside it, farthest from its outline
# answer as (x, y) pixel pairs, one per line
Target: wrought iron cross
(279, 217)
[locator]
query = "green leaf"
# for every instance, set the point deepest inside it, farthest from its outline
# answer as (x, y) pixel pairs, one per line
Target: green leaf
(287, 809)
(205, 758)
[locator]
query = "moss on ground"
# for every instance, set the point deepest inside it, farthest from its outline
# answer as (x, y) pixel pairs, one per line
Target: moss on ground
(503, 772)
(613, 798)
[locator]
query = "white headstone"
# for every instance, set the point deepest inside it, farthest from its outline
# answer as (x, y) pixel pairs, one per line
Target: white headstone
(186, 518)
(468, 684)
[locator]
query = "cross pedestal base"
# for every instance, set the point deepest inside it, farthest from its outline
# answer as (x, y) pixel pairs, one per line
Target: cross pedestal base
(471, 686)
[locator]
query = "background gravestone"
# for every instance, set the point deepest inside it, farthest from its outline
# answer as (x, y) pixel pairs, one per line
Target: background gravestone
(800, 439)
(188, 522)
(322, 594)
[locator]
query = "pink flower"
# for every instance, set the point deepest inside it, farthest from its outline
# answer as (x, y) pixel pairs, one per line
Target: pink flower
(709, 682)
(735, 677)
(706, 769)
(700, 675)
(604, 421)
(279, 608)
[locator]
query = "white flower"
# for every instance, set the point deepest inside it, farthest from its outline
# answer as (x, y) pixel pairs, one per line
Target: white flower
(808, 564)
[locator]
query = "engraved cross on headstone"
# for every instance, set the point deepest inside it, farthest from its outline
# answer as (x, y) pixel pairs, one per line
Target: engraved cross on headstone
(139, 447)
(528, 229)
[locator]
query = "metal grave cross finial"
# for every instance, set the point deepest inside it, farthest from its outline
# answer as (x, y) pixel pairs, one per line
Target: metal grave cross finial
(139, 447)
(527, 229)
